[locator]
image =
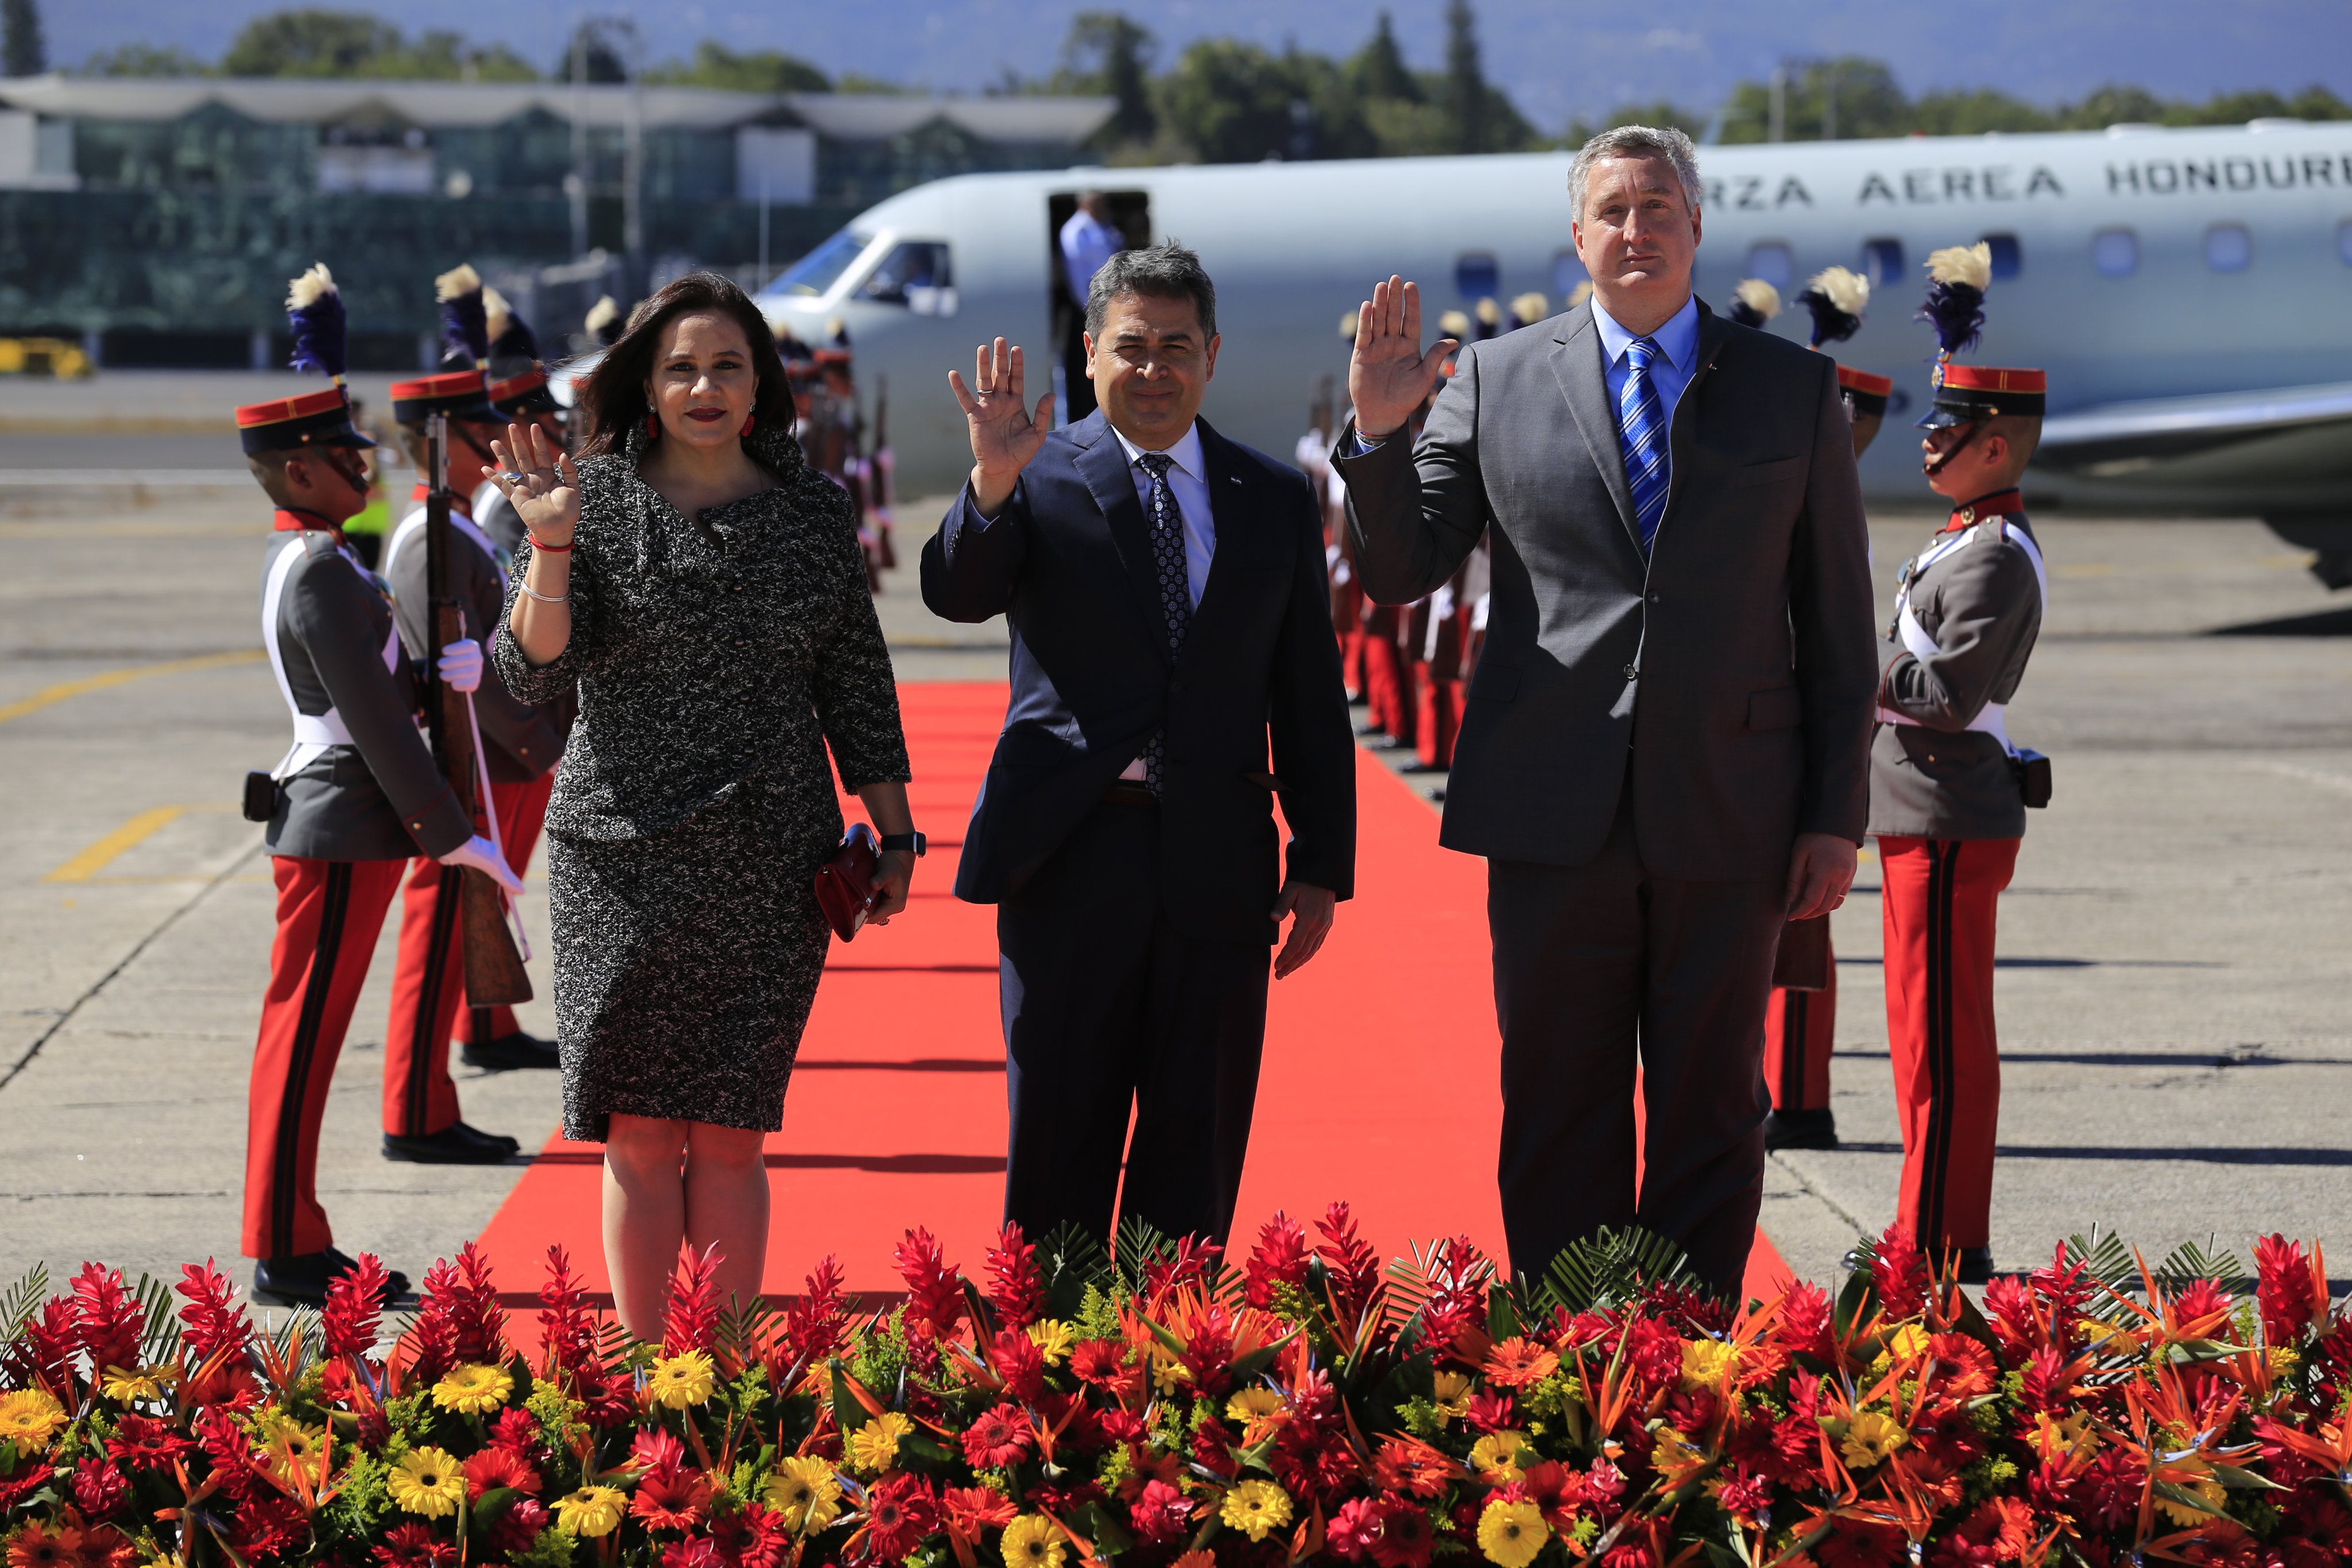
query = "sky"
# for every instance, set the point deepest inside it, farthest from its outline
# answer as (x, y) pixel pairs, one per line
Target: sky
(1559, 58)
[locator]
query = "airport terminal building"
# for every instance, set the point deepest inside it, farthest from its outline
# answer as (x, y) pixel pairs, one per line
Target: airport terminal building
(156, 219)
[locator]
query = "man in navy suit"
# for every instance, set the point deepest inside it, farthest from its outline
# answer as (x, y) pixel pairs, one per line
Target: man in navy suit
(1173, 672)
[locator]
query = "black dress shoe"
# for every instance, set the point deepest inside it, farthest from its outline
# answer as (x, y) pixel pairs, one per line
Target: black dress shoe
(301, 1281)
(1800, 1130)
(1976, 1265)
(509, 1051)
(455, 1144)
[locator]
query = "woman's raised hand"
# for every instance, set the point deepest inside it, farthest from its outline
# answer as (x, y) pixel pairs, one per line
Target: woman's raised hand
(1005, 433)
(537, 475)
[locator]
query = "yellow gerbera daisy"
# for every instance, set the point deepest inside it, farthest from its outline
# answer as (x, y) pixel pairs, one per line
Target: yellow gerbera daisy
(2188, 1518)
(1031, 1542)
(1253, 1403)
(29, 1418)
(1492, 1456)
(591, 1511)
(874, 1446)
(427, 1481)
(288, 1444)
(125, 1385)
(1870, 1437)
(683, 1380)
(1511, 1533)
(1708, 1363)
(1053, 1338)
(473, 1390)
(1257, 1509)
(806, 1492)
(1453, 1395)
(1910, 1340)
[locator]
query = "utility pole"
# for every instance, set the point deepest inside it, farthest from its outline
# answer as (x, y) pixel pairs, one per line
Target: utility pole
(1778, 129)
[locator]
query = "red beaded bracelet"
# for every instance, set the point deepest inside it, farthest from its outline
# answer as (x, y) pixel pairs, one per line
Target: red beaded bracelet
(537, 544)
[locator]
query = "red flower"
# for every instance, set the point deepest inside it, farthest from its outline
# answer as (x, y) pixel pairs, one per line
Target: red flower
(518, 1429)
(671, 1500)
(413, 1546)
(1744, 1493)
(1098, 1360)
(1278, 1259)
(1015, 1287)
(1490, 1412)
(1406, 1537)
(103, 1546)
(899, 1511)
(1016, 1359)
(36, 1548)
(1516, 1361)
(1161, 1513)
(1413, 1467)
(970, 1511)
(756, 1537)
(98, 1488)
(491, 1468)
(1965, 1369)
(519, 1526)
(703, 1553)
(145, 1444)
(656, 1451)
(934, 1289)
(997, 1441)
(1900, 1272)
(2293, 1294)
(1354, 1529)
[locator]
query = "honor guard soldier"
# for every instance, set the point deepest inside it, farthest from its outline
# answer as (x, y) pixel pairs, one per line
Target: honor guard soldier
(1801, 1020)
(521, 747)
(1948, 790)
(350, 802)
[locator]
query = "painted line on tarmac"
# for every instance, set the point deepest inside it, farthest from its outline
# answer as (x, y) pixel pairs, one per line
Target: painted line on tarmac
(101, 853)
(51, 695)
(227, 873)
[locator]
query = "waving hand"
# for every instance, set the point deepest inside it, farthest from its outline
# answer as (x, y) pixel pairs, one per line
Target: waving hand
(1005, 433)
(1388, 375)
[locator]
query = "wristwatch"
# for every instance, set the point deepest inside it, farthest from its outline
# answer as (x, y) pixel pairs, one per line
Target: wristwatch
(914, 842)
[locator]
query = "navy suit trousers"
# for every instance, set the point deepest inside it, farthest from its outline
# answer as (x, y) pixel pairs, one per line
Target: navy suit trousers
(1110, 1010)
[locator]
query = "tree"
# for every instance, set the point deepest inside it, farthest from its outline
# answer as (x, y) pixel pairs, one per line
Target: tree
(592, 55)
(1106, 53)
(1465, 97)
(143, 60)
(1973, 113)
(1848, 98)
(309, 44)
(1378, 69)
(1661, 114)
(756, 70)
(22, 52)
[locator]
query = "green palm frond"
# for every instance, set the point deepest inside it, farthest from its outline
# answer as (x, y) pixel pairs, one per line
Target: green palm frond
(23, 1298)
(1137, 1246)
(163, 1337)
(2189, 1261)
(1068, 1260)
(2103, 1255)
(1611, 1268)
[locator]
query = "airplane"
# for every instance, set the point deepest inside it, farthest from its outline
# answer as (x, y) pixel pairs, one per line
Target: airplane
(2188, 290)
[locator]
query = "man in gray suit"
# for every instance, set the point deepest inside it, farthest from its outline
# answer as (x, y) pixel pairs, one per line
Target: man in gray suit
(1665, 752)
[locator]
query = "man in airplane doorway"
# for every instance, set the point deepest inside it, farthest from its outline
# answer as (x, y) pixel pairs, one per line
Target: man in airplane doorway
(1665, 750)
(1088, 240)
(1171, 634)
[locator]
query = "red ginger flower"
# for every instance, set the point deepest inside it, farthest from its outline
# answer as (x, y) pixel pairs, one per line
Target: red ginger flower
(519, 1526)
(436, 1331)
(1161, 1513)
(691, 1322)
(2291, 1288)
(213, 1320)
(492, 1468)
(1017, 1359)
(1456, 1309)
(1899, 1269)
(818, 1324)
(112, 1325)
(934, 1290)
(98, 1488)
(518, 1429)
(1015, 1289)
(697, 1554)
(567, 1325)
(998, 1441)
(354, 1313)
(1353, 1529)
(1350, 1262)
(1279, 1259)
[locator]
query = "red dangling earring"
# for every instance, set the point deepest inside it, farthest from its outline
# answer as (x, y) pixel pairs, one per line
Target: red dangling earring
(749, 419)
(652, 426)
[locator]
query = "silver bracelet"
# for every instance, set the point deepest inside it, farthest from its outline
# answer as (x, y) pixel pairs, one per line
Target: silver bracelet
(544, 598)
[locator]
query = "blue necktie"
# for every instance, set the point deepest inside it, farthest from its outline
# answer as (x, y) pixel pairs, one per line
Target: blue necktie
(1167, 520)
(1641, 427)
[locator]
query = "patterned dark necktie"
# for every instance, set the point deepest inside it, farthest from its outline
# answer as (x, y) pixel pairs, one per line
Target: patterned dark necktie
(1167, 521)
(1641, 427)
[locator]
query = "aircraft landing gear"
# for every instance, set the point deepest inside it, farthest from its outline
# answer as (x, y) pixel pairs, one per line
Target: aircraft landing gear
(2328, 535)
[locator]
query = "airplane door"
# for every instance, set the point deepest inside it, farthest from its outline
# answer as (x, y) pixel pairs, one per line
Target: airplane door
(1130, 214)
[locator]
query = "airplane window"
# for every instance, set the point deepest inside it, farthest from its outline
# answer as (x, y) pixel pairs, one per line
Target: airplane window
(2343, 242)
(2116, 253)
(1772, 262)
(2007, 258)
(1882, 262)
(816, 273)
(916, 274)
(2229, 247)
(1567, 271)
(1479, 276)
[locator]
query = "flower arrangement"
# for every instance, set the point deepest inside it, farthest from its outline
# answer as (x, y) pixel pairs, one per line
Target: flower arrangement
(1166, 1409)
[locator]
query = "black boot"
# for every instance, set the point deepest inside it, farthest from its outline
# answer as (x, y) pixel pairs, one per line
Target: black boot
(509, 1051)
(302, 1280)
(455, 1144)
(1799, 1130)
(1976, 1265)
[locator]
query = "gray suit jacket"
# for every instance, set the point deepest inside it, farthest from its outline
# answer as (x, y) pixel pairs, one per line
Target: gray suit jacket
(1737, 663)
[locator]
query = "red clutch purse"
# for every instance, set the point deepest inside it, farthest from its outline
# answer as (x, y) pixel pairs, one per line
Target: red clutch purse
(845, 885)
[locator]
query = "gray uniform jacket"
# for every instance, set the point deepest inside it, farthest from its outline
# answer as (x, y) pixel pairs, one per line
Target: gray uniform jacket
(519, 741)
(1935, 777)
(380, 798)
(1735, 662)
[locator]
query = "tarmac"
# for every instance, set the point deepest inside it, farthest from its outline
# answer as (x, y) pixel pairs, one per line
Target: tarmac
(2172, 991)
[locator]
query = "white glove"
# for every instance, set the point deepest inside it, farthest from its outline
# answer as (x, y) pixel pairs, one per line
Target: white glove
(482, 855)
(461, 665)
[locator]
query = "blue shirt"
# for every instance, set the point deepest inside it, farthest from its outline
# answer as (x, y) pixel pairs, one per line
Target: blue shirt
(1670, 370)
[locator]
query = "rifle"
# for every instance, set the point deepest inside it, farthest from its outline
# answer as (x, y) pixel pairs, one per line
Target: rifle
(494, 971)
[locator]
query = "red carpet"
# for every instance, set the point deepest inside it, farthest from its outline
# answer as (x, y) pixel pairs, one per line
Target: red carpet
(1379, 1085)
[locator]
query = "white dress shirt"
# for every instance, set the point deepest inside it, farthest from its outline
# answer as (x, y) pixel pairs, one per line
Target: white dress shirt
(1188, 481)
(1086, 243)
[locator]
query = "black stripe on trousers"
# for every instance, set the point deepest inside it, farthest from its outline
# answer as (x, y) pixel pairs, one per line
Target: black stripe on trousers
(292, 1110)
(1794, 1044)
(1943, 896)
(421, 1043)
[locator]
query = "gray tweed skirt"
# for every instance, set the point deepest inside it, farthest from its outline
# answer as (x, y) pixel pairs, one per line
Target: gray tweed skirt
(685, 963)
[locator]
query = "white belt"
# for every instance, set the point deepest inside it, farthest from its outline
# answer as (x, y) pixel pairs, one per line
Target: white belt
(314, 733)
(1989, 719)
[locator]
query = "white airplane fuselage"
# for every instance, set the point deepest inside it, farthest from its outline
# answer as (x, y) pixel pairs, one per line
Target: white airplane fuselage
(2172, 283)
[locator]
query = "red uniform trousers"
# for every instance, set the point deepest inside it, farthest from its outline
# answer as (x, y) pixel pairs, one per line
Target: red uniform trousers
(1800, 1030)
(1438, 717)
(1384, 676)
(428, 990)
(1938, 897)
(328, 914)
(522, 812)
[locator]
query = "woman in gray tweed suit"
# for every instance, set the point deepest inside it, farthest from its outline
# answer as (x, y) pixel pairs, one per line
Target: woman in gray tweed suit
(704, 590)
